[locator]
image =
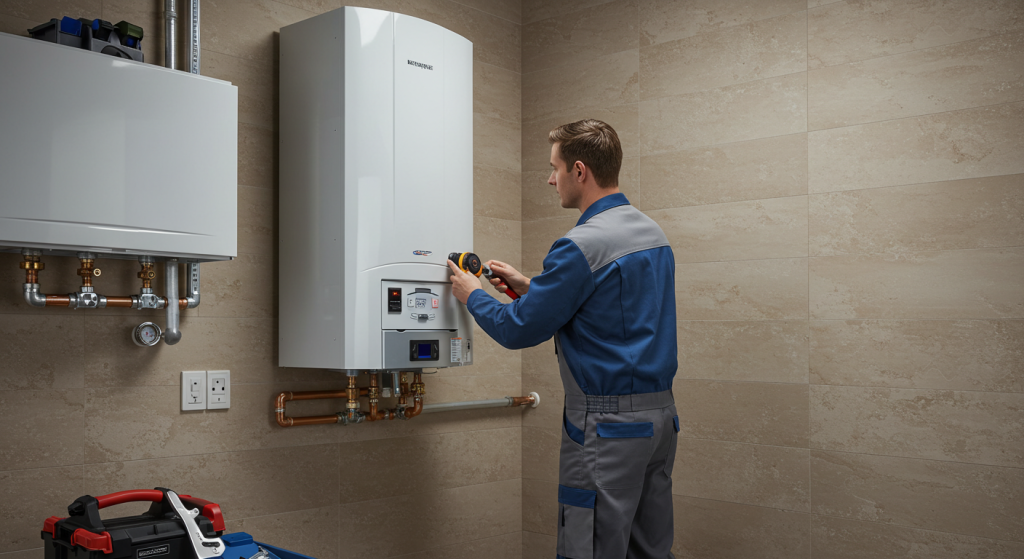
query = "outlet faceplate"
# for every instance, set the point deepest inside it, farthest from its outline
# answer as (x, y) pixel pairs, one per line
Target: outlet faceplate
(219, 390)
(193, 390)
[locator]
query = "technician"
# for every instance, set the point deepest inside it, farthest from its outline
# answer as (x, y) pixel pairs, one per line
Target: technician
(607, 295)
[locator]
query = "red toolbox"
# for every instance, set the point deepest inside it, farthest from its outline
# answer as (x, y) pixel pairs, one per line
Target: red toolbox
(160, 533)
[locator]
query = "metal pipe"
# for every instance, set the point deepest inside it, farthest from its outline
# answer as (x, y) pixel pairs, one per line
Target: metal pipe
(507, 402)
(170, 32)
(192, 284)
(171, 333)
(193, 38)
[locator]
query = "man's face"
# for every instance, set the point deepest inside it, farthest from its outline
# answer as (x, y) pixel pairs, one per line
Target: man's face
(564, 180)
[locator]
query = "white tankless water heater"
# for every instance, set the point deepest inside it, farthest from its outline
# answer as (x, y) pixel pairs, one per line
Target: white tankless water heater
(105, 155)
(376, 189)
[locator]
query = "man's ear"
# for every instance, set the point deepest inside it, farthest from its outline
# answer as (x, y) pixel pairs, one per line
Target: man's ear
(581, 170)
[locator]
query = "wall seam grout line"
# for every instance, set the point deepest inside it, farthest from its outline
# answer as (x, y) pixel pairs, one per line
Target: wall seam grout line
(807, 178)
(890, 55)
(993, 105)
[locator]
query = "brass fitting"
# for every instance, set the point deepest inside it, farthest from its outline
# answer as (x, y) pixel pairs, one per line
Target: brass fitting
(147, 274)
(352, 394)
(32, 266)
(87, 272)
(418, 389)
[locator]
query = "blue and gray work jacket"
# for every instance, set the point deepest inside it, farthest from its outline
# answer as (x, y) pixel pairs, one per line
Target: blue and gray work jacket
(608, 292)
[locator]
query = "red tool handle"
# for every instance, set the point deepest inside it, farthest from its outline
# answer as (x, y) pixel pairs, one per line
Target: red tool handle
(508, 290)
(207, 509)
(130, 496)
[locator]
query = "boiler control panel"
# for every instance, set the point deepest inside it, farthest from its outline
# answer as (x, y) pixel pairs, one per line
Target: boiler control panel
(418, 306)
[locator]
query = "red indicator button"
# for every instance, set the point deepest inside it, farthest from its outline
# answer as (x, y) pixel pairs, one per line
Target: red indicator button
(433, 303)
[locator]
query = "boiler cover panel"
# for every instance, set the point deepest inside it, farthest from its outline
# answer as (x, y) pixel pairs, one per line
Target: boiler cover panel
(114, 156)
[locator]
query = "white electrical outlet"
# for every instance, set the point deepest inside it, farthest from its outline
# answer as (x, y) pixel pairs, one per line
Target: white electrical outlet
(193, 390)
(219, 383)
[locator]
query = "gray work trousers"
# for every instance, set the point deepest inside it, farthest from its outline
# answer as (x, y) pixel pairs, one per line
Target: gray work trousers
(615, 477)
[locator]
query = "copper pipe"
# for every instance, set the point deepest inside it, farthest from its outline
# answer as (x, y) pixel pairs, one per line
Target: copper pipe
(122, 302)
(417, 408)
(58, 301)
(522, 401)
(284, 397)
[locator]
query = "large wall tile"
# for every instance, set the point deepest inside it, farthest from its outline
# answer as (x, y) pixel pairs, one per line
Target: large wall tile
(745, 412)
(257, 156)
(767, 476)
(29, 363)
(256, 80)
(954, 145)
(981, 283)
(837, 538)
(42, 11)
(30, 497)
(857, 30)
(670, 20)
(717, 530)
(42, 428)
(537, 150)
(581, 36)
(314, 532)
(603, 82)
(494, 193)
(536, 10)
(760, 229)
(540, 375)
(257, 221)
(538, 236)
(960, 76)
(538, 545)
(245, 287)
(498, 239)
(242, 345)
(934, 424)
(496, 143)
(495, 40)
(28, 553)
(970, 213)
(432, 519)
(743, 350)
(146, 422)
(511, 10)
(752, 170)
(497, 92)
(16, 26)
(747, 290)
(739, 54)
(967, 499)
(247, 28)
(540, 506)
(244, 484)
(540, 199)
(541, 446)
(402, 466)
(986, 355)
(761, 109)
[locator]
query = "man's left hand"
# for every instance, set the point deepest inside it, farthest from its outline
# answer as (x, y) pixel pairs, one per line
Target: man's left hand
(463, 283)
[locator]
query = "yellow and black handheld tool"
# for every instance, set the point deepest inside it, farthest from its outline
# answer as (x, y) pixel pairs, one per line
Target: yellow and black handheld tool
(469, 262)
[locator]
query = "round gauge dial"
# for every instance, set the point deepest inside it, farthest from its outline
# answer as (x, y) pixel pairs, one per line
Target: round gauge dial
(147, 334)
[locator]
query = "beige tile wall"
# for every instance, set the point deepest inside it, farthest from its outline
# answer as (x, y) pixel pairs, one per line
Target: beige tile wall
(87, 412)
(843, 185)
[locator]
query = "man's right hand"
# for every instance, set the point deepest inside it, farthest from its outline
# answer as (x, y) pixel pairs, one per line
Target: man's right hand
(518, 282)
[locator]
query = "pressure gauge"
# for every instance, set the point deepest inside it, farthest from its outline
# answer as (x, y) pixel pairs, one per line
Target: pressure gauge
(147, 334)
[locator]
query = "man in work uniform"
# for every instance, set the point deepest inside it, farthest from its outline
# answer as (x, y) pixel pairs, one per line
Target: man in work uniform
(607, 294)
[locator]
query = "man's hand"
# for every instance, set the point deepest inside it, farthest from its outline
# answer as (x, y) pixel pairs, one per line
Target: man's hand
(463, 283)
(518, 282)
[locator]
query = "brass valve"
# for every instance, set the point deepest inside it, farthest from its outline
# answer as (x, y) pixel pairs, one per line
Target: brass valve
(147, 275)
(352, 393)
